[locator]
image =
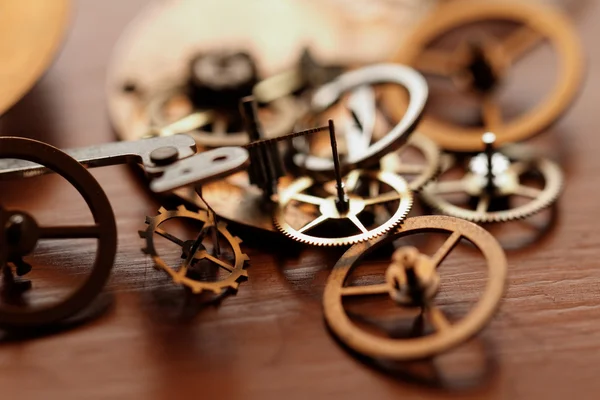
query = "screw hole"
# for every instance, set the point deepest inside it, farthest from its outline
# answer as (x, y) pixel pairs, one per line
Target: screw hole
(186, 171)
(219, 158)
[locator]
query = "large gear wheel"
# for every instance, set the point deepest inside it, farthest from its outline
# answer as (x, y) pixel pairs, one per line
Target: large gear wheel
(293, 221)
(20, 234)
(412, 281)
(237, 271)
(485, 206)
(482, 62)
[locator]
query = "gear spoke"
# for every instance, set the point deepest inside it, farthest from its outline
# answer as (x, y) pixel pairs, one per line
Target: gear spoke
(436, 62)
(70, 232)
(449, 187)
(306, 198)
(314, 223)
(528, 191)
(215, 260)
(446, 248)
(484, 203)
(220, 125)
(168, 236)
(358, 224)
(352, 181)
(519, 43)
(492, 115)
(437, 318)
(383, 198)
(367, 290)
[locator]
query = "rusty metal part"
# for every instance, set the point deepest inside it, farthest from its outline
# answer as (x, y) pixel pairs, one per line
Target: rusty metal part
(446, 335)
(420, 174)
(20, 233)
(181, 276)
(28, 53)
(538, 23)
(329, 94)
(293, 222)
(492, 204)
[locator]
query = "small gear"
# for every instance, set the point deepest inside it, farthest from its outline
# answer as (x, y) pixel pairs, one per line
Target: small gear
(421, 174)
(490, 191)
(290, 211)
(237, 271)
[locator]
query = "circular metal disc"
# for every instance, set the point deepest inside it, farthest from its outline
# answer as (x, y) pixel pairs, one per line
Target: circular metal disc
(32, 31)
(154, 51)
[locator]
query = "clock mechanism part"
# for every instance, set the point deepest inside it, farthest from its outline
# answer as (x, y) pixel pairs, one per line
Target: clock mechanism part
(479, 65)
(416, 173)
(412, 281)
(205, 105)
(20, 234)
(361, 152)
(189, 272)
(28, 55)
(301, 209)
(491, 182)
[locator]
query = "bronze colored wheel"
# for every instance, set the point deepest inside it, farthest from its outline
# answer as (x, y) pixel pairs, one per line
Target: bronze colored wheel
(446, 335)
(539, 22)
(20, 233)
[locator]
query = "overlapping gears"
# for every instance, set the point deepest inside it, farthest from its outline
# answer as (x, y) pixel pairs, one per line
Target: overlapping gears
(237, 270)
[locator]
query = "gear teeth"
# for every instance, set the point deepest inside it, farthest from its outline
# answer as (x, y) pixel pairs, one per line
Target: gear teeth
(234, 286)
(216, 291)
(148, 220)
(222, 225)
(142, 234)
(238, 239)
(181, 208)
(196, 289)
(162, 210)
(245, 257)
(244, 273)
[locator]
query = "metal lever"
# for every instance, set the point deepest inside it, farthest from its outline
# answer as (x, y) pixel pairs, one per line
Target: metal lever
(139, 151)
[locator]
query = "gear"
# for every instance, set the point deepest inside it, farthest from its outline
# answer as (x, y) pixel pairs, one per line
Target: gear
(180, 276)
(412, 280)
(490, 193)
(214, 128)
(292, 200)
(20, 233)
(421, 173)
(482, 62)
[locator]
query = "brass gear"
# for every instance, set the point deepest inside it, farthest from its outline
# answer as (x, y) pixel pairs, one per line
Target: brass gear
(446, 335)
(237, 271)
(293, 195)
(539, 22)
(508, 183)
(422, 173)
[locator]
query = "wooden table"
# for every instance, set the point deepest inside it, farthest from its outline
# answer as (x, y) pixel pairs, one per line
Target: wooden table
(270, 341)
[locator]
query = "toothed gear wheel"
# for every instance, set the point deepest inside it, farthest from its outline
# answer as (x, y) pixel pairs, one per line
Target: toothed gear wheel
(237, 271)
(508, 174)
(290, 212)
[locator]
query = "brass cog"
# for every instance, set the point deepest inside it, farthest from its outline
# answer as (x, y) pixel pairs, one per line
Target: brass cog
(507, 181)
(408, 271)
(237, 271)
(538, 23)
(421, 173)
(293, 197)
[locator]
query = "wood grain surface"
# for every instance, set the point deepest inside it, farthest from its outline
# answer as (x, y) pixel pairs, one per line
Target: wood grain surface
(270, 341)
